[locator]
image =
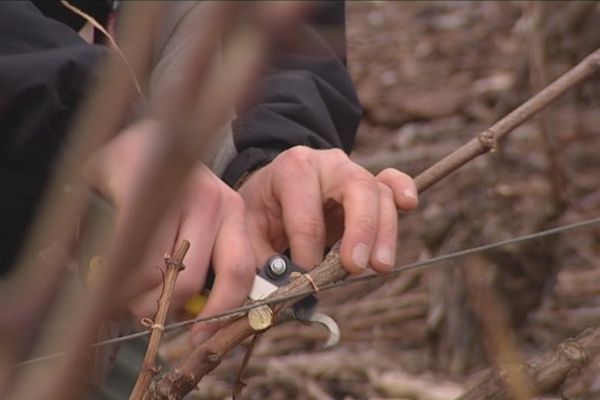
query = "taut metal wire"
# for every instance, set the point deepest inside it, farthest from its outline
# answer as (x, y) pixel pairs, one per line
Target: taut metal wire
(240, 311)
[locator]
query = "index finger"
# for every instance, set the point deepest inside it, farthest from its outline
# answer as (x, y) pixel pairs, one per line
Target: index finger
(356, 190)
(234, 264)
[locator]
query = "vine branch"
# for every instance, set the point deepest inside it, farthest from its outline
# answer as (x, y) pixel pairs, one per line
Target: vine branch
(488, 139)
(149, 369)
(546, 373)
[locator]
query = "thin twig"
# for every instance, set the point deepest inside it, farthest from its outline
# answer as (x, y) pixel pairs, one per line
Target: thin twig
(174, 265)
(181, 380)
(239, 384)
(487, 140)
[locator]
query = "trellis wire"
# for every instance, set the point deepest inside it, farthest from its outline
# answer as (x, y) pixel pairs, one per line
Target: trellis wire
(240, 311)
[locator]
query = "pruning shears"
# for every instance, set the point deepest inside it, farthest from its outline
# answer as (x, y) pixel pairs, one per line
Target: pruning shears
(275, 273)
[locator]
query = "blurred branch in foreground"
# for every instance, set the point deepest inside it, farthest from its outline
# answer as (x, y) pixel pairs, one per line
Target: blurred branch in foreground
(35, 300)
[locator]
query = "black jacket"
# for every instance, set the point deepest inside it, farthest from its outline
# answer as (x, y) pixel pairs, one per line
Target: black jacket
(43, 67)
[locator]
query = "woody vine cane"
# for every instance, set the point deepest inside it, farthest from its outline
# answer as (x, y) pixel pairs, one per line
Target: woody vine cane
(182, 379)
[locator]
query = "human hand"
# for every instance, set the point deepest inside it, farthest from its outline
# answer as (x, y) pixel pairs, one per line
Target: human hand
(306, 199)
(207, 213)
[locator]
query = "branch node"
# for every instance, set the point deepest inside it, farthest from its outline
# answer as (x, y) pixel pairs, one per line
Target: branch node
(573, 352)
(213, 358)
(295, 275)
(172, 262)
(488, 140)
(156, 369)
(148, 323)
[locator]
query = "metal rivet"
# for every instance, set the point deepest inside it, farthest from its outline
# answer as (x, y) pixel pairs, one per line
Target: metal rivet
(278, 266)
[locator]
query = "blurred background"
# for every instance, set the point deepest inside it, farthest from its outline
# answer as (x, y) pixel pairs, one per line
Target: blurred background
(430, 76)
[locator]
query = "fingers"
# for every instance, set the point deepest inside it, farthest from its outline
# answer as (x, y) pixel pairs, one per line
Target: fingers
(299, 193)
(212, 218)
(403, 187)
(360, 199)
(355, 189)
(234, 264)
(310, 190)
(200, 228)
(369, 206)
(200, 219)
(149, 275)
(383, 256)
(263, 246)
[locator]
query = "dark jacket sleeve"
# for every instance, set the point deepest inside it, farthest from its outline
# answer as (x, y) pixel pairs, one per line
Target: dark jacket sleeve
(307, 99)
(43, 67)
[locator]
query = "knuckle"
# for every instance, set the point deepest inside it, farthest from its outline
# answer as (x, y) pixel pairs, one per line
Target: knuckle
(388, 172)
(392, 174)
(310, 228)
(385, 191)
(356, 172)
(405, 176)
(367, 224)
(338, 154)
(239, 272)
(363, 181)
(298, 155)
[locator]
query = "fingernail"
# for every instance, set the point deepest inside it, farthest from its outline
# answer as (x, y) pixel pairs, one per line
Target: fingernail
(360, 255)
(199, 338)
(410, 193)
(384, 255)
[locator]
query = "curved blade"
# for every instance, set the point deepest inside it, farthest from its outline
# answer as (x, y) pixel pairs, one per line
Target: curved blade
(331, 326)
